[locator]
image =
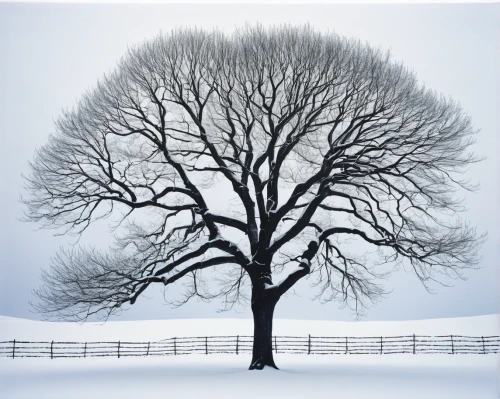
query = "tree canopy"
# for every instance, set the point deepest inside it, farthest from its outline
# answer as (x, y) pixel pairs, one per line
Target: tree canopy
(268, 151)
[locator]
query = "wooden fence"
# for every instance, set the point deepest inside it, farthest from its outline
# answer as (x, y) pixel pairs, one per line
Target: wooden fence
(411, 344)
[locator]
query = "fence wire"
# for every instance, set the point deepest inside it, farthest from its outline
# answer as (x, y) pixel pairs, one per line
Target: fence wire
(236, 344)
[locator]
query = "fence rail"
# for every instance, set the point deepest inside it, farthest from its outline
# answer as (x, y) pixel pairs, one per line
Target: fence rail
(313, 345)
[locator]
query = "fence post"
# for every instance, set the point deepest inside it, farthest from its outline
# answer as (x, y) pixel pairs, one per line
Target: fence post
(309, 346)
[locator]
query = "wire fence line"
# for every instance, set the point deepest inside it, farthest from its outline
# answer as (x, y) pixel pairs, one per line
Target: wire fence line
(236, 344)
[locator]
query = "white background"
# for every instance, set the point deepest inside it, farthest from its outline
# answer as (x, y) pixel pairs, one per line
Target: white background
(51, 53)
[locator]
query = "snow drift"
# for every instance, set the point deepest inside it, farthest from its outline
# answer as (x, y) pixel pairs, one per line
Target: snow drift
(225, 376)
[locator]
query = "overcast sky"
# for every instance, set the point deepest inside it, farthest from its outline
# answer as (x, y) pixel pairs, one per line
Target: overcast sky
(51, 53)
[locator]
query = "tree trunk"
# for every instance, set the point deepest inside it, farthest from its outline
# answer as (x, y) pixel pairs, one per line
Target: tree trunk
(263, 309)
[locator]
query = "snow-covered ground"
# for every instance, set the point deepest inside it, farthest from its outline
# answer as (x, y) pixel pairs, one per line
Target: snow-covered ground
(225, 376)
(152, 330)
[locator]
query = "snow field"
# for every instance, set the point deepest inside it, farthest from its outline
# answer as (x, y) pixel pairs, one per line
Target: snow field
(226, 376)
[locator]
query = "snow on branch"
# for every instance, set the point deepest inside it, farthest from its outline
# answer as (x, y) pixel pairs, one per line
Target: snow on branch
(301, 135)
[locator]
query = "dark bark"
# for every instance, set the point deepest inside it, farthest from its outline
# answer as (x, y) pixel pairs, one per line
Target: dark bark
(347, 133)
(263, 304)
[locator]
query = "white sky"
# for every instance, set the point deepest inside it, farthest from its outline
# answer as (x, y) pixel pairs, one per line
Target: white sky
(256, 1)
(51, 53)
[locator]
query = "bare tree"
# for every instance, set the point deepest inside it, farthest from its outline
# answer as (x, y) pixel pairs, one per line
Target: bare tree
(321, 147)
